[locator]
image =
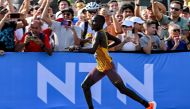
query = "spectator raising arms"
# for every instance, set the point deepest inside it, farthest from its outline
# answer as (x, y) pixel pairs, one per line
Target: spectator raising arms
(176, 9)
(66, 34)
(8, 26)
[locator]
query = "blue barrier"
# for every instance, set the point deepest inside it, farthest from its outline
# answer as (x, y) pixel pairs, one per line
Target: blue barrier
(39, 81)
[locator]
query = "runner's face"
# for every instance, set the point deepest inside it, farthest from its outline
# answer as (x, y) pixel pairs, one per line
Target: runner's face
(96, 23)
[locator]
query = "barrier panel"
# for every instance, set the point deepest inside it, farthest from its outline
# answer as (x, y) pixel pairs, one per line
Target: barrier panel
(39, 81)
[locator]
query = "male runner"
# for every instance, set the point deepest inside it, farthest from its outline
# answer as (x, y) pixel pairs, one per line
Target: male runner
(105, 66)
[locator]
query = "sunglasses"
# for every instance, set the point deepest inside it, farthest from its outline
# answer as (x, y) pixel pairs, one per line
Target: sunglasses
(127, 26)
(67, 14)
(176, 30)
(138, 23)
(92, 11)
(175, 9)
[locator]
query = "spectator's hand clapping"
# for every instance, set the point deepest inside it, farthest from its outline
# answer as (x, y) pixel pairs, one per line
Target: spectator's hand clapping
(176, 41)
(127, 39)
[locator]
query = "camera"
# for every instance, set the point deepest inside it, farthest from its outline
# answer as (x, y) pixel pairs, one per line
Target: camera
(14, 15)
(67, 22)
(130, 34)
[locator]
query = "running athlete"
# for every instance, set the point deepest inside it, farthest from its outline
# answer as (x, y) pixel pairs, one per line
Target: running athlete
(105, 66)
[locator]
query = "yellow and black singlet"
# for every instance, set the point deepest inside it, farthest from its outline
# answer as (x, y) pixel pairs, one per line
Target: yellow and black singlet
(104, 61)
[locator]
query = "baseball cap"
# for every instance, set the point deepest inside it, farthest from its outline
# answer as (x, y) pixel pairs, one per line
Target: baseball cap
(136, 20)
(127, 22)
(70, 10)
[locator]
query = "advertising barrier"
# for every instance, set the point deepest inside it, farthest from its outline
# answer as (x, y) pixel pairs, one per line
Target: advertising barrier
(39, 81)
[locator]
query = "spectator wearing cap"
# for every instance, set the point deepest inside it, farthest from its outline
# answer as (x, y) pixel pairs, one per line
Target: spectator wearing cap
(62, 4)
(92, 9)
(138, 24)
(185, 13)
(66, 34)
(128, 41)
(175, 11)
(138, 28)
(150, 41)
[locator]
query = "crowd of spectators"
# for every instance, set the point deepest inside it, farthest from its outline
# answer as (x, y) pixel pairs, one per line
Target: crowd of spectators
(129, 26)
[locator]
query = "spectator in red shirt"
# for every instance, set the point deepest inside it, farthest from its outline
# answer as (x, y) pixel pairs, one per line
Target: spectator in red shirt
(35, 40)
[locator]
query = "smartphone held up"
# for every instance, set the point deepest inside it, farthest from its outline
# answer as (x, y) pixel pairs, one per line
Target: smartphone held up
(130, 34)
(67, 22)
(15, 15)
